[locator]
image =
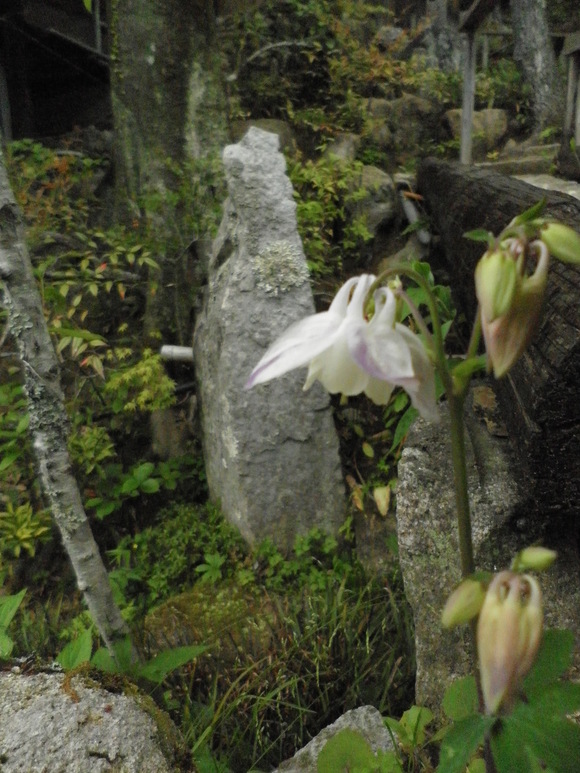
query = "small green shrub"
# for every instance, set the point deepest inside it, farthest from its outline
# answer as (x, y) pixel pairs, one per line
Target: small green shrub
(21, 529)
(323, 189)
(185, 536)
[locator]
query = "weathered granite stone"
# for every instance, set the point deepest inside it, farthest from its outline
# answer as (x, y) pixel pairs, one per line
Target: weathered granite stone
(504, 520)
(271, 453)
(51, 724)
(366, 720)
(489, 128)
(343, 147)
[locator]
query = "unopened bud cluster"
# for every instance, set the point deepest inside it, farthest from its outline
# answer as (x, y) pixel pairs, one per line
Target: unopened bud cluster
(509, 631)
(510, 299)
(509, 627)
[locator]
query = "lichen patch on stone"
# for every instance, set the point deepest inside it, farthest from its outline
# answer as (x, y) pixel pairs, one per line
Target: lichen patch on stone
(279, 266)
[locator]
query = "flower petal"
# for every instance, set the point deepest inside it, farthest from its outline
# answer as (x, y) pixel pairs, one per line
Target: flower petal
(378, 391)
(378, 347)
(296, 347)
(306, 339)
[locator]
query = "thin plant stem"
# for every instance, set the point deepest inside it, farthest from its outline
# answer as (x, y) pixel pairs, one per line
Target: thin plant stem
(456, 406)
(456, 398)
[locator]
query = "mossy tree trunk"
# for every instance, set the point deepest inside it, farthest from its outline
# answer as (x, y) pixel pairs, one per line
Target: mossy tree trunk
(534, 53)
(169, 109)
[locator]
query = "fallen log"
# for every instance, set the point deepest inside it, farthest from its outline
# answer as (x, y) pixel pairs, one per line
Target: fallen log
(539, 396)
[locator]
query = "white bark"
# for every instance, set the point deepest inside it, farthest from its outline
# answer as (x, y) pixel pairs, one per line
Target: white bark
(48, 419)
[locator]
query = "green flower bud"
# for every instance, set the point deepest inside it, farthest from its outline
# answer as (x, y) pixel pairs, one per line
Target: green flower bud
(535, 558)
(496, 279)
(509, 631)
(507, 337)
(562, 242)
(464, 603)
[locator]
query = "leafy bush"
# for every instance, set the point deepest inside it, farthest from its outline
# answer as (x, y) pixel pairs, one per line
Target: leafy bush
(184, 535)
(323, 189)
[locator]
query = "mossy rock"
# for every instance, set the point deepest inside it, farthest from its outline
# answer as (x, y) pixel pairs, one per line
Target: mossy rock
(230, 620)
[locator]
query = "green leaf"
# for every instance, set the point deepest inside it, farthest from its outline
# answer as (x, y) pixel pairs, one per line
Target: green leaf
(508, 751)
(157, 669)
(8, 460)
(22, 425)
(553, 659)
(130, 485)
(554, 741)
(462, 741)
(398, 729)
(85, 335)
(150, 486)
(531, 213)
(403, 427)
(461, 699)
(368, 450)
(9, 606)
(400, 402)
(104, 662)
(345, 751)
(388, 762)
(6, 645)
(143, 471)
(106, 508)
(77, 651)
(423, 269)
(415, 720)
(479, 235)
(557, 699)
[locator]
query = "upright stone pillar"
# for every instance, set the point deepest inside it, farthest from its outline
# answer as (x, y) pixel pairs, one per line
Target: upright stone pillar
(271, 454)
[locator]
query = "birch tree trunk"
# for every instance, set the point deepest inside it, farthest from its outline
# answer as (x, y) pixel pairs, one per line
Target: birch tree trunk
(48, 419)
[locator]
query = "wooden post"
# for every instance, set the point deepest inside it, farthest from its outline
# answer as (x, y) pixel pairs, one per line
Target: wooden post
(577, 126)
(468, 98)
(5, 115)
(572, 115)
(485, 52)
(468, 23)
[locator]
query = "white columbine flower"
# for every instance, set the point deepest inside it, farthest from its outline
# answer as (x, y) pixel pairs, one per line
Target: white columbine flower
(349, 355)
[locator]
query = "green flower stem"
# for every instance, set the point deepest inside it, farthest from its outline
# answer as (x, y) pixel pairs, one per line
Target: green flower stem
(456, 392)
(456, 407)
(475, 339)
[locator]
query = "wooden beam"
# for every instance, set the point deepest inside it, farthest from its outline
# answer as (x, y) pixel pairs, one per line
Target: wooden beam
(539, 396)
(571, 43)
(475, 14)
